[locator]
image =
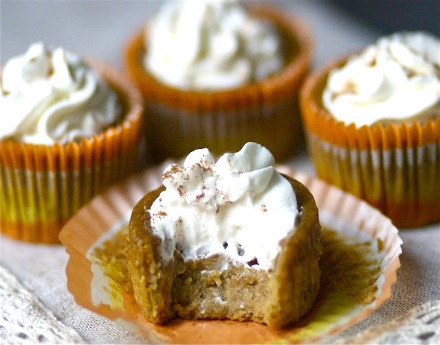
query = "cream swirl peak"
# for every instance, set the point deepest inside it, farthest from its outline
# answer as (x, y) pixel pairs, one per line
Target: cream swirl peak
(50, 96)
(239, 207)
(396, 79)
(210, 45)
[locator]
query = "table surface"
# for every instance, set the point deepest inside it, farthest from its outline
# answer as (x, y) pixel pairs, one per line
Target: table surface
(100, 29)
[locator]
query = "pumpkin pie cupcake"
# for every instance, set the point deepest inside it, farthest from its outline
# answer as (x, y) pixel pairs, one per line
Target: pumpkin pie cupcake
(373, 126)
(69, 129)
(232, 239)
(218, 74)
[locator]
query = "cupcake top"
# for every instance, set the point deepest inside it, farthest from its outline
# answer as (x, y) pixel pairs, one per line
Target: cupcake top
(239, 207)
(52, 96)
(396, 79)
(210, 45)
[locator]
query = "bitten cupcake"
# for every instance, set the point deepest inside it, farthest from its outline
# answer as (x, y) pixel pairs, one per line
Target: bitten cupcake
(69, 129)
(373, 126)
(217, 74)
(232, 239)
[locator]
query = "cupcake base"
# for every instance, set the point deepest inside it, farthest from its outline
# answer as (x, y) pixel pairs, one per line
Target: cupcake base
(199, 289)
(406, 191)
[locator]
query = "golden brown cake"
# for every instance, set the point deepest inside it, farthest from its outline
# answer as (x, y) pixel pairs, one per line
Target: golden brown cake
(218, 286)
(223, 120)
(393, 161)
(43, 183)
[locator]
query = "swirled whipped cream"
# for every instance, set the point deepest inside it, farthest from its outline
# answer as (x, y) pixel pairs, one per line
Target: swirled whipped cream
(396, 79)
(210, 45)
(51, 95)
(239, 207)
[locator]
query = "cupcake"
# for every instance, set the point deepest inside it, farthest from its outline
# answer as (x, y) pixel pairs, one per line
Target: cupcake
(373, 126)
(69, 129)
(217, 74)
(232, 239)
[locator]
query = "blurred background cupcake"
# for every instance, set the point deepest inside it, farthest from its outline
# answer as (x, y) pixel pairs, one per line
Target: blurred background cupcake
(217, 74)
(373, 125)
(68, 130)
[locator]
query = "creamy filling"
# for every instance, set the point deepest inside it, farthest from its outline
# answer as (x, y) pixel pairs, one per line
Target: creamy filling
(396, 79)
(238, 207)
(51, 95)
(210, 45)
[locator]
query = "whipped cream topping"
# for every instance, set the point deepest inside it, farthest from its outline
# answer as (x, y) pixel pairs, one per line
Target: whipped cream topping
(210, 45)
(396, 79)
(51, 95)
(239, 207)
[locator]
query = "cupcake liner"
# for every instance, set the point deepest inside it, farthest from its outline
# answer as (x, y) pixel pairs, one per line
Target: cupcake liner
(41, 187)
(352, 222)
(224, 120)
(394, 167)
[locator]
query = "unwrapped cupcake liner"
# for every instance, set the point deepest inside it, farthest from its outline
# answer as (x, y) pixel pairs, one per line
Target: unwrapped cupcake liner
(394, 167)
(41, 187)
(266, 112)
(353, 221)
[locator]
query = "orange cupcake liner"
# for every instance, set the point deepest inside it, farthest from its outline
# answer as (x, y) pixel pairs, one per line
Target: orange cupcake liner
(395, 167)
(352, 220)
(266, 112)
(41, 186)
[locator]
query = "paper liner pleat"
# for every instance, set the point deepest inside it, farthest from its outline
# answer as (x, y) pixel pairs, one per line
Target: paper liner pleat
(43, 186)
(350, 210)
(93, 222)
(266, 112)
(394, 167)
